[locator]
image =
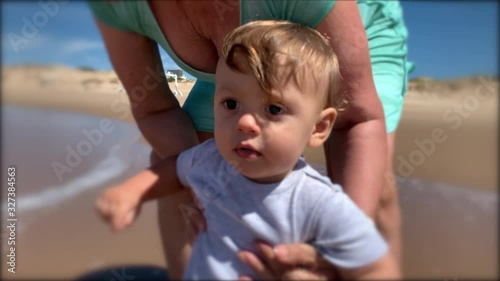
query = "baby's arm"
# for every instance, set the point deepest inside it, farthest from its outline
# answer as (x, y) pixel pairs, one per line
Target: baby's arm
(120, 204)
(347, 238)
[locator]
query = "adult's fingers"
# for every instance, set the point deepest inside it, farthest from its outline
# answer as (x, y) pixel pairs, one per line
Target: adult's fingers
(297, 254)
(302, 274)
(194, 219)
(257, 265)
(198, 220)
(197, 202)
(193, 216)
(308, 263)
(269, 258)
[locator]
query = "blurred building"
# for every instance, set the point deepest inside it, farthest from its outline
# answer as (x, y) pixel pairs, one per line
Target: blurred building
(178, 72)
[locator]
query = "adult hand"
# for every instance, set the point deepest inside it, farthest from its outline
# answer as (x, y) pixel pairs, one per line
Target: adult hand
(287, 262)
(193, 217)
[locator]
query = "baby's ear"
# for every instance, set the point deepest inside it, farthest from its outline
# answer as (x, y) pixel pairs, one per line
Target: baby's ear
(323, 127)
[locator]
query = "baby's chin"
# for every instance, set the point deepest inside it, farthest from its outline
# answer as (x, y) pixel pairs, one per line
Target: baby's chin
(264, 176)
(255, 170)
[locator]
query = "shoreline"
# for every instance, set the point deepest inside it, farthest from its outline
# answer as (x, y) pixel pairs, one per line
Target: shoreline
(456, 119)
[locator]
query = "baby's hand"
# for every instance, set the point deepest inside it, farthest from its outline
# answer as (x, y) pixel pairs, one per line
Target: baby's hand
(119, 206)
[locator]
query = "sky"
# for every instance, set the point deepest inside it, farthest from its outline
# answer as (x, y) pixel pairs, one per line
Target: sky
(446, 39)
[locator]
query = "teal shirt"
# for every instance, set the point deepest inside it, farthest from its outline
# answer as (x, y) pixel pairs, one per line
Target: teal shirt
(137, 16)
(382, 19)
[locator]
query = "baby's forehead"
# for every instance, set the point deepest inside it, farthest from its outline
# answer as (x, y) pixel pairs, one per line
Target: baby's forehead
(297, 91)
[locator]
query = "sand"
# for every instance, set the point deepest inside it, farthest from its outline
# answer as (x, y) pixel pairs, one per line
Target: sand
(448, 134)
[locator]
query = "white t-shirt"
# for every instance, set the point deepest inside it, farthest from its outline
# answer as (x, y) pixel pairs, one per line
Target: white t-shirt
(304, 207)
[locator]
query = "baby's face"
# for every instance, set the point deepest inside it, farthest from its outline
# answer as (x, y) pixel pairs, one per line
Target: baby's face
(261, 135)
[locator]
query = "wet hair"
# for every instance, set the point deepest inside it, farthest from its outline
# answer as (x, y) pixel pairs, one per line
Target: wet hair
(280, 51)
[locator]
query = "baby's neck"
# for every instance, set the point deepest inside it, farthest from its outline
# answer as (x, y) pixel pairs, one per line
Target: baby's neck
(272, 179)
(275, 178)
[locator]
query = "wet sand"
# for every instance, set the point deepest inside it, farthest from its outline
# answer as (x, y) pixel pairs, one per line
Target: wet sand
(447, 181)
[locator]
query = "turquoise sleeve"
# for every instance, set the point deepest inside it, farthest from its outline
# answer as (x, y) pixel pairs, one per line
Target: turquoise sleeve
(108, 13)
(309, 13)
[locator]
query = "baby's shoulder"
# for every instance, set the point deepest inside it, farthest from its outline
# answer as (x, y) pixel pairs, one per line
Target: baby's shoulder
(315, 189)
(207, 150)
(200, 159)
(207, 161)
(202, 152)
(319, 183)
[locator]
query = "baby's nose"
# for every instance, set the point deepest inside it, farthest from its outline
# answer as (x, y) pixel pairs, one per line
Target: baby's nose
(248, 124)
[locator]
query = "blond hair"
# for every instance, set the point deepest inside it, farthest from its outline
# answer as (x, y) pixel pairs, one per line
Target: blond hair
(279, 50)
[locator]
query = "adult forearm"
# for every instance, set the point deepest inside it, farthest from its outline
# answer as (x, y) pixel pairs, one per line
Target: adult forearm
(356, 159)
(169, 132)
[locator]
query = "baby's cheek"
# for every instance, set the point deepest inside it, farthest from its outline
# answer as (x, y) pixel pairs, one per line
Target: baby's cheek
(221, 141)
(273, 134)
(284, 153)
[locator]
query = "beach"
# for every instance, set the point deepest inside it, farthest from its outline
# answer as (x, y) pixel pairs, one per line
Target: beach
(69, 133)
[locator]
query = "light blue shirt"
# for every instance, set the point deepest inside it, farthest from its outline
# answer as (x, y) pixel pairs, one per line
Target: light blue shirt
(304, 207)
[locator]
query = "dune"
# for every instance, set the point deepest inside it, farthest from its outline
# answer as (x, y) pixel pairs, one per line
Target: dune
(445, 162)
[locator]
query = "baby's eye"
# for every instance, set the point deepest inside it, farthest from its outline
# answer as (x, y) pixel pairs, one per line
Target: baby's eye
(231, 104)
(275, 109)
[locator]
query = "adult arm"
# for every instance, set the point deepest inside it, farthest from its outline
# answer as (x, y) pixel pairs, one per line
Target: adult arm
(163, 123)
(160, 119)
(356, 150)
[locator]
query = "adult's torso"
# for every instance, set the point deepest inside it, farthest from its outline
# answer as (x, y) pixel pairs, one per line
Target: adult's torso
(195, 29)
(192, 32)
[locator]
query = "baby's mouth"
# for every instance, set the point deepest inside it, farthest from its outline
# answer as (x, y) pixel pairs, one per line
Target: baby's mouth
(247, 152)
